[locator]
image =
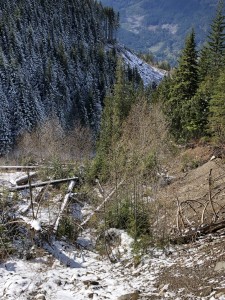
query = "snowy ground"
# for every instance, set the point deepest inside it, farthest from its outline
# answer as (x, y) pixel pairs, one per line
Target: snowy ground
(61, 271)
(96, 278)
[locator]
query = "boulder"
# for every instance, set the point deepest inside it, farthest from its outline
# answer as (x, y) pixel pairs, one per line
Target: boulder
(129, 296)
(220, 266)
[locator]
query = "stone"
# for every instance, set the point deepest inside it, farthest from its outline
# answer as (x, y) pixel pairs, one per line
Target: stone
(129, 296)
(40, 297)
(90, 282)
(163, 288)
(58, 282)
(220, 266)
(220, 293)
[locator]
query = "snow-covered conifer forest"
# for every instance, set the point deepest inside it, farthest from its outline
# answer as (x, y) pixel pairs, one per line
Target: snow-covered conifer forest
(53, 63)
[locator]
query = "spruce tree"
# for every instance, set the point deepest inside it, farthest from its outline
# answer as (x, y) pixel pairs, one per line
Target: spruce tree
(204, 63)
(217, 110)
(216, 40)
(183, 88)
(204, 104)
(117, 106)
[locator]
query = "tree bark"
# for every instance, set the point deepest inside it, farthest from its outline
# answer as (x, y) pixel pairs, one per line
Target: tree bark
(64, 204)
(43, 183)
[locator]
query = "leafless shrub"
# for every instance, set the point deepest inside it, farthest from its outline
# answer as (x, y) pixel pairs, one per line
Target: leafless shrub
(48, 141)
(145, 138)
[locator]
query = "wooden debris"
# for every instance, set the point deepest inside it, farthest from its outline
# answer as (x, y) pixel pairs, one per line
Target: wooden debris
(198, 232)
(64, 204)
(43, 183)
(102, 204)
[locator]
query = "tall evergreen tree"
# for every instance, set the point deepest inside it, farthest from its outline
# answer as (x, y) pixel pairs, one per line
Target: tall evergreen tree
(204, 62)
(216, 40)
(205, 105)
(183, 88)
(217, 110)
(117, 106)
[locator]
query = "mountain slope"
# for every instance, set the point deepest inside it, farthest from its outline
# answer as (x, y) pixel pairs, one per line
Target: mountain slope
(148, 73)
(54, 62)
(161, 26)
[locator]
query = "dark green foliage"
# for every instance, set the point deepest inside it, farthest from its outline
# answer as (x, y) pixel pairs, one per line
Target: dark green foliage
(193, 96)
(129, 216)
(216, 40)
(204, 63)
(68, 228)
(217, 110)
(198, 111)
(53, 61)
(183, 87)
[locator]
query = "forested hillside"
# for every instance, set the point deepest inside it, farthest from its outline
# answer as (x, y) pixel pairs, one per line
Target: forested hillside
(193, 95)
(53, 62)
(160, 26)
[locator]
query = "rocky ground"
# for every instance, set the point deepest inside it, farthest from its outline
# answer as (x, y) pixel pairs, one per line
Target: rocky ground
(195, 271)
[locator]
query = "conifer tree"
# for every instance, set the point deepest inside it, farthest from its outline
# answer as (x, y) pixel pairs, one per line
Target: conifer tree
(211, 61)
(217, 110)
(216, 39)
(116, 109)
(204, 63)
(183, 88)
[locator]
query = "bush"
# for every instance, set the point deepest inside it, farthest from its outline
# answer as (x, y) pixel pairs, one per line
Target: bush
(68, 228)
(130, 217)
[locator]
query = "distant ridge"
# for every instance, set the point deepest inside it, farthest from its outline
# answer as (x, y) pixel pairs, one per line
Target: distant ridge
(160, 26)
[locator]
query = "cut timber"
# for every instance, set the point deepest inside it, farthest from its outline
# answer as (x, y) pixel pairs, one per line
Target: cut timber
(43, 183)
(32, 168)
(18, 168)
(24, 179)
(64, 204)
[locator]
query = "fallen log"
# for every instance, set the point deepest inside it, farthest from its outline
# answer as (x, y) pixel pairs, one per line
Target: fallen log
(34, 167)
(64, 204)
(19, 168)
(198, 232)
(43, 183)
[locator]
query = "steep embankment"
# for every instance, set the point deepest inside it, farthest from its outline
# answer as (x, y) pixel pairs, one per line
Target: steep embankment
(148, 73)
